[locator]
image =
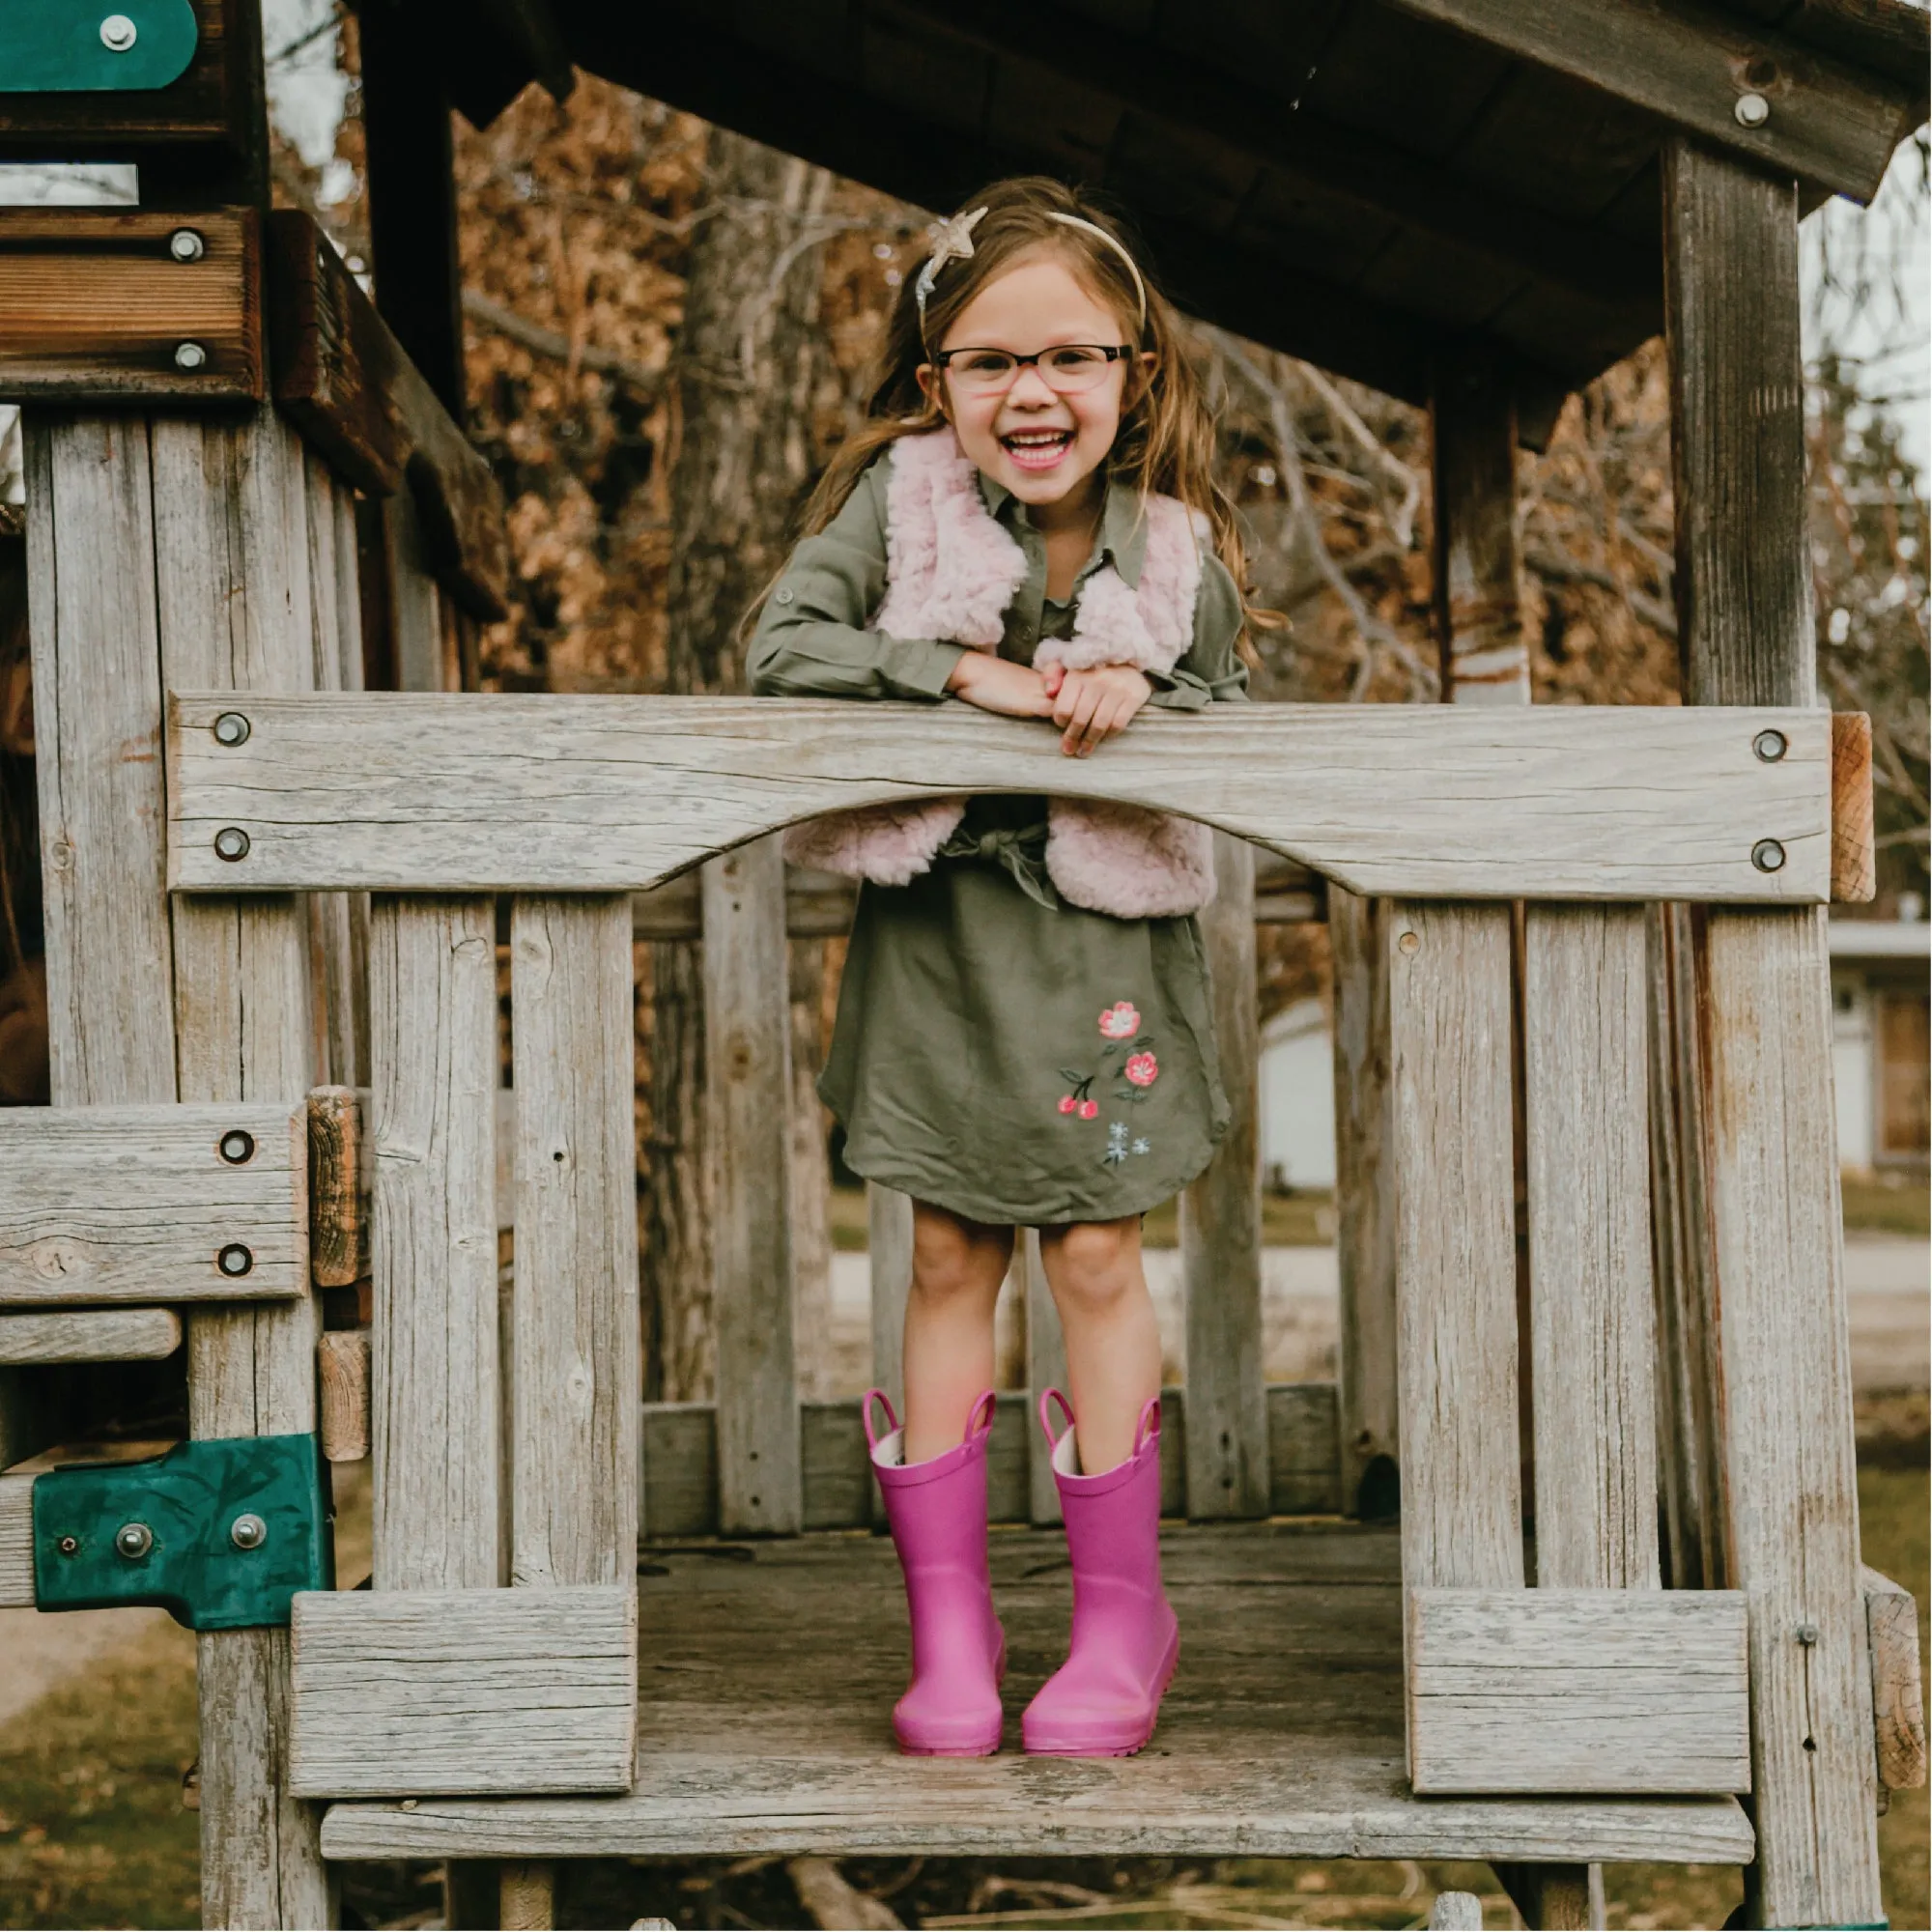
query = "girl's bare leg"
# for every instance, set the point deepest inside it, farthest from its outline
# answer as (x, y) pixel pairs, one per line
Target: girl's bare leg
(958, 1266)
(1113, 1340)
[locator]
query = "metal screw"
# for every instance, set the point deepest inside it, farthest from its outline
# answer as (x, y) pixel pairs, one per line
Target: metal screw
(190, 356)
(1769, 746)
(237, 1146)
(1411, 942)
(232, 728)
(1768, 855)
(235, 1259)
(1752, 110)
(133, 1540)
(68, 1545)
(231, 843)
(249, 1532)
(1807, 1633)
(117, 33)
(185, 245)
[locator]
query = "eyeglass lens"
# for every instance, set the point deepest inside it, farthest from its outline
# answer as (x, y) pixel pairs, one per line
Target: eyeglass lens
(1065, 370)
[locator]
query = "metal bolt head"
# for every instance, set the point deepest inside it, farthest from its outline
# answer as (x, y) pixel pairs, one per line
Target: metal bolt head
(1768, 855)
(231, 843)
(68, 1545)
(232, 728)
(190, 356)
(1807, 1633)
(1752, 110)
(247, 1532)
(185, 244)
(236, 1147)
(117, 33)
(235, 1259)
(1769, 746)
(133, 1540)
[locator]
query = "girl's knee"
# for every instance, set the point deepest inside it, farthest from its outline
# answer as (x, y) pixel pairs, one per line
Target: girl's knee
(951, 1257)
(1095, 1263)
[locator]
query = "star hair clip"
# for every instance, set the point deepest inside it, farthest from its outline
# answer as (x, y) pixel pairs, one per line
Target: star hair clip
(951, 239)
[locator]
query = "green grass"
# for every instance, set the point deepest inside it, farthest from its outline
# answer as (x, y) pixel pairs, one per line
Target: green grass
(1885, 1204)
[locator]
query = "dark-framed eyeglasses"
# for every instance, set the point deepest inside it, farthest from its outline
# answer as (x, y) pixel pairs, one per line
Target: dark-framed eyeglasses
(1066, 368)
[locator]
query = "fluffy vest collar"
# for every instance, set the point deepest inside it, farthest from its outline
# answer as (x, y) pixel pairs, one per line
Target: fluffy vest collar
(951, 572)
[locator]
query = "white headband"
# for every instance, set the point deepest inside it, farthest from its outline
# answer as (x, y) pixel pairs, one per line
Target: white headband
(954, 239)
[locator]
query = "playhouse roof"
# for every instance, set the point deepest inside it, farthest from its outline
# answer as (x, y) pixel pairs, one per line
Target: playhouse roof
(1348, 180)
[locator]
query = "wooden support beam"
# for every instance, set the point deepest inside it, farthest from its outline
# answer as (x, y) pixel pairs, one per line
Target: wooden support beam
(1690, 66)
(1898, 1696)
(1746, 631)
(1853, 852)
(91, 1335)
(339, 1173)
(1552, 1897)
(1221, 1226)
(1046, 1368)
(583, 794)
(342, 1361)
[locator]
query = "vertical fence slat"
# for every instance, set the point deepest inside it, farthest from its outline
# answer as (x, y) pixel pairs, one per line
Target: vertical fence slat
(1221, 1228)
(1046, 1368)
(1591, 1312)
(889, 1249)
(1449, 1026)
(748, 1062)
(574, 1457)
(432, 1052)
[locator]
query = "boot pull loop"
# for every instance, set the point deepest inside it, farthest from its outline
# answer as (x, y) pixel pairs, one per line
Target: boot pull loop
(1045, 1421)
(1147, 1428)
(866, 1411)
(979, 1417)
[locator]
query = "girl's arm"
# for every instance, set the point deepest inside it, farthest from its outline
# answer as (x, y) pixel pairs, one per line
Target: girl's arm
(812, 639)
(1211, 672)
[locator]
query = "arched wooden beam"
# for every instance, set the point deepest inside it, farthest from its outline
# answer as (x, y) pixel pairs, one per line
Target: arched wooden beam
(466, 793)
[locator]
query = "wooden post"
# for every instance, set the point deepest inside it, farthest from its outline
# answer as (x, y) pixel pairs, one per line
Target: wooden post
(1221, 1228)
(1046, 1368)
(889, 1245)
(1731, 307)
(748, 1062)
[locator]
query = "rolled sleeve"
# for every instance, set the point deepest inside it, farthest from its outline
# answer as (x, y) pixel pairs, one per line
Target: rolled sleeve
(1211, 672)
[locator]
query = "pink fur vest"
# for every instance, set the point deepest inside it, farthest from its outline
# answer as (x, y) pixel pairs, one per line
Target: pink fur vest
(951, 573)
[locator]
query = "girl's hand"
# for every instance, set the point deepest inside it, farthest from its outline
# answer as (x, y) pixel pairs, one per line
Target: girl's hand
(996, 684)
(1091, 706)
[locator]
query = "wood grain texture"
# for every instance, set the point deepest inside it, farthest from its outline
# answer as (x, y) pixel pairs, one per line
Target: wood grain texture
(593, 794)
(1221, 1228)
(1592, 1313)
(339, 1175)
(1828, 124)
(94, 306)
(16, 1543)
(1046, 1368)
(888, 1247)
(574, 1444)
(1854, 854)
(230, 569)
(91, 1335)
(433, 1004)
(136, 1204)
(527, 1896)
(1899, 1698)
(1449, 1026)
(1577, 1690)
(342, 1359)
(748, 1068)
(1365, 1212)
(1456, 1912)
(464, 1691)
(768, 1683)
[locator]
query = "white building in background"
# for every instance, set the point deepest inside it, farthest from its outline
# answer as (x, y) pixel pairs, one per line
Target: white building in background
(1298, 1095)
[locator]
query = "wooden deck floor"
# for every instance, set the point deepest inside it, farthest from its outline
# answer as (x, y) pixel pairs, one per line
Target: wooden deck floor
(768, 1672)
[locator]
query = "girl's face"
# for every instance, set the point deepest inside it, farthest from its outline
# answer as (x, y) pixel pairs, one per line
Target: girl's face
(1045, 447)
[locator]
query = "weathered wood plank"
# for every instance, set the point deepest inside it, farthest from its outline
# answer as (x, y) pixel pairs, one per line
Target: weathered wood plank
(1592, 1316)
(888, 1248)
(1456, 1912)
(1365, 1212)
(339, 1177)
(342, 1359)
(91, 1335)
(1221, 1228)
(1046, 1368)
(527, 1896)
(1828, 124)
(1899, 1698)
(432, 1052)
(115, 304)
(1449, 1026)
(16, 1543)
(574, 1449)
(141, 1203)
(1854, 854)
(464, 1691)
(593, 794)
(748, 1065)
(1577, 1690)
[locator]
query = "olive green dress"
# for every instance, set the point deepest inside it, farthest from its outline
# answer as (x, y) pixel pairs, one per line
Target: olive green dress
(998, 1051)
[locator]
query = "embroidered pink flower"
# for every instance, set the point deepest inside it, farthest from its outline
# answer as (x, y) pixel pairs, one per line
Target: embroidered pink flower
(1121, 1021)
(1068, 1103)
(1142, 1070)
(1089, 1108)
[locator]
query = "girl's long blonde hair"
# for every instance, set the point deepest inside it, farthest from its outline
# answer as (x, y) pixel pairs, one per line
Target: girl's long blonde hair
(1166, 439)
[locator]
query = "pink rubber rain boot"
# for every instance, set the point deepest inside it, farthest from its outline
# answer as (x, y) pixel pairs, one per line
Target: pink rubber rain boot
(1103, 1700)
(937, 1510)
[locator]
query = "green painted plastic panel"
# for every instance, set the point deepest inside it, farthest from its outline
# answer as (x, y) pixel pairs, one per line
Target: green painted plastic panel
(189, 1503)
(94, 46)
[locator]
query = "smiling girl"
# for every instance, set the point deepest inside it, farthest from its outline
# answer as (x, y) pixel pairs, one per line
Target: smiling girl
(1024, 521)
